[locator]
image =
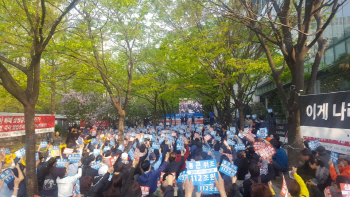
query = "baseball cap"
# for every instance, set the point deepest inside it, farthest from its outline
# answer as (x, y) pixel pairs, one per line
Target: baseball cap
(320, 149)
(152, 156)
(125, 156)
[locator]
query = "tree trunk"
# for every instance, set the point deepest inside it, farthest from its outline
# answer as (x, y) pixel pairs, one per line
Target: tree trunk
(241, 116)
(30, 137)
(121, 127)
(53, 89)
(294, 136)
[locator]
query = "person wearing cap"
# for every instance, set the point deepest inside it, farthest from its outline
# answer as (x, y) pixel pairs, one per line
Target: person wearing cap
(323, 155)
(150, 177)
(343, 166)
(152, 159)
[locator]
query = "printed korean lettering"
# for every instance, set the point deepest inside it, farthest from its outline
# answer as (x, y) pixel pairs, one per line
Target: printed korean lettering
(334, 157)
(61, 163)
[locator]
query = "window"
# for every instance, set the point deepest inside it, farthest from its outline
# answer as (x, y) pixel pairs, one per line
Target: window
(339, 49)
(329, 56)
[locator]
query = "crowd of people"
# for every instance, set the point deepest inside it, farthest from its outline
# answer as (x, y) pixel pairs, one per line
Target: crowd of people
(165, 162)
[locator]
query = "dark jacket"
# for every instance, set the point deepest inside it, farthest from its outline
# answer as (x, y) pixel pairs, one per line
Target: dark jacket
(264, 179)
(96, 189)
(88, 171)
(127, 177)
(175, 166)
(169, 191)
(150, 178)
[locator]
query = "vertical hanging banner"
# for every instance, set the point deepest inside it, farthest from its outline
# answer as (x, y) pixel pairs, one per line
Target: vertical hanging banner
(12, 125)
(326, 117)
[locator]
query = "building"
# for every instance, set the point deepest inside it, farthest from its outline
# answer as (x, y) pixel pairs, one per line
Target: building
(338, 35)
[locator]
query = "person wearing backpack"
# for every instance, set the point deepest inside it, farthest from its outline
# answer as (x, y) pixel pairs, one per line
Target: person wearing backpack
(256, 179)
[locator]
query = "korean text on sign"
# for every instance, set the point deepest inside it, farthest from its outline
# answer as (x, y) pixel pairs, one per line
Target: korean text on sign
(74, 158)
(202, 172)
(144, 190)
(228, 168)
(7, 175)
(267, 152)
(334, 157)
(61, 163)
(208, 189)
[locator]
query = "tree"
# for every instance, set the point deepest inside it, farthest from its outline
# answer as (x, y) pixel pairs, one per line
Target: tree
(223, 52)
(288, 26)
(26, 29)
(109, 38)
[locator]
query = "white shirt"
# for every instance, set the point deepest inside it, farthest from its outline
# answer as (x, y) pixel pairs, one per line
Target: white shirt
(65, 185)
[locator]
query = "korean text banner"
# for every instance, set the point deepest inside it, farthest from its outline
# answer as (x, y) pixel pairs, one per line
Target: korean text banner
(326, 117)
(14, 125)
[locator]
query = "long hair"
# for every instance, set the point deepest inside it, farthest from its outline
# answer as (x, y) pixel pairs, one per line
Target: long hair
(117, 182)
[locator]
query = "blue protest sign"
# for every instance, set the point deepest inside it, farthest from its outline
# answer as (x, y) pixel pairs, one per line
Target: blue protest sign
(228, 168)
(7, 175)
(131, 154)
(262, 133)
(110, 177)
(36, 156)
(106, 148)
(155, 145)
(208, 189)
(254, 116)
(55, 148)
(218, 138)
(121, 147)
(180, 140)
(80, 140)
(96, 165)
(20, 153)
(334, 157)
(7, 151)
(202, 172)
(179, 146)
(96, 152)
(314, 144)
(188, 135)
(76, 190)
(142, 140)
(182, 176)
(233, 129)
(43, 144)
(205, 149)
(61, 163)
(231, 142)
(269, 110)
(239, 147)
(240, 135)
(94, 141)
(170, 140)
(213, 133)
(112, 143)
(74, 158)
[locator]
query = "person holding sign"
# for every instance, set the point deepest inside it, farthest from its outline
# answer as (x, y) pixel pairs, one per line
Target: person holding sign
(343, 166)
(280, 159)
(65, 184)
(150, 177)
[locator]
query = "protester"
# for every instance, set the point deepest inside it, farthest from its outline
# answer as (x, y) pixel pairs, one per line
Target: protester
(150, 160)
(343, 166)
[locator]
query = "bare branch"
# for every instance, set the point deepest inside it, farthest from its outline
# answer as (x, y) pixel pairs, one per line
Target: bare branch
(18, 66)
(54, 26)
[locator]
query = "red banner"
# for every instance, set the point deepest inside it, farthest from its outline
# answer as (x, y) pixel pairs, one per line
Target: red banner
(11, 126)
(98, 123)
